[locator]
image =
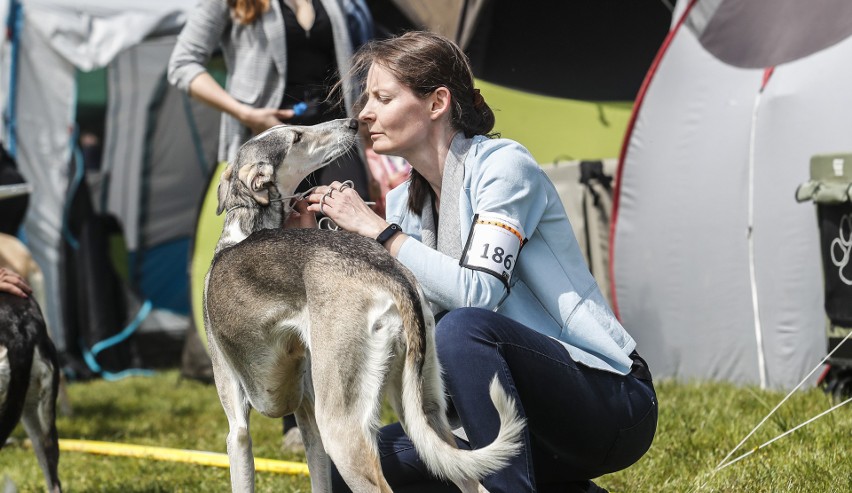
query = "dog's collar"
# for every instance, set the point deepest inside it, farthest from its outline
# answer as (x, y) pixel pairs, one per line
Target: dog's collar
(241, 206)
(300, 196)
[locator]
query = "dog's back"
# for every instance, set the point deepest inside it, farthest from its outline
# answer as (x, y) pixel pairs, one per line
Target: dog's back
(307, 247)
(297, 263)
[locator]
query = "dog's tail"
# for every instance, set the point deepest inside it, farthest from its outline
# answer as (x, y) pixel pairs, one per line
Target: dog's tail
(424, 411)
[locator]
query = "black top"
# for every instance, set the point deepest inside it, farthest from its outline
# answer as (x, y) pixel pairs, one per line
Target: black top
(311, 66)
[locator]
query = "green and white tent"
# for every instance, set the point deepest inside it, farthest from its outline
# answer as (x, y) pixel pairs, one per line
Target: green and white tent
(157, 148)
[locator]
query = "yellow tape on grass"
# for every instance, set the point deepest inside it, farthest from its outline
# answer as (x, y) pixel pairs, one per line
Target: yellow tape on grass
(176, 455)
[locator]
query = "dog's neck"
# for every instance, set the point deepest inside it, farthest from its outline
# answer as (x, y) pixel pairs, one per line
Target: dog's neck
(244, 217)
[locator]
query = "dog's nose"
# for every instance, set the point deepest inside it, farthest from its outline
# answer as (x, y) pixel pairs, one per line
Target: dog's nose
(353, 124)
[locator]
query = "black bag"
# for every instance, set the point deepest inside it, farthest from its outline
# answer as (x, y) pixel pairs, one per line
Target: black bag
(835, 226)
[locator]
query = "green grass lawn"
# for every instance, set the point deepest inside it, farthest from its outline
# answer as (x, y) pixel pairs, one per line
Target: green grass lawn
(699, 424)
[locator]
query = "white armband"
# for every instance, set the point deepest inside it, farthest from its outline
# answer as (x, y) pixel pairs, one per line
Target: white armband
(493, 245)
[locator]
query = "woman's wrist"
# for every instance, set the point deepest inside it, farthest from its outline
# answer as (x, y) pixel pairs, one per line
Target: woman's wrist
(395, 243)
(241, 113)
(375, 229)
(391, 237)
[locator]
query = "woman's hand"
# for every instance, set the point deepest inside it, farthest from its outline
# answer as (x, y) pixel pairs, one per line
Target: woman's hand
(342, 204)
(262, 119)
(301, 217)
(11, 282)
(205, 89)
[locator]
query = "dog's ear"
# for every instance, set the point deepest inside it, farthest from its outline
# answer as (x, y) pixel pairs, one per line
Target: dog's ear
(262, 196)
(258, 179)
(224, 187)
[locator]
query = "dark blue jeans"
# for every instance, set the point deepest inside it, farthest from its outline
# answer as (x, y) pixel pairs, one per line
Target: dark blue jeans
(581, 422)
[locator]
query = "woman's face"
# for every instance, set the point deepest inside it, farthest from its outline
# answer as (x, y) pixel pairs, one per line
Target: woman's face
(396, 118)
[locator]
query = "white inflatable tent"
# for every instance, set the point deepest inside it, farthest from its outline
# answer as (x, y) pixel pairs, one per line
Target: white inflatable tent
(158, 145)
(716, 268)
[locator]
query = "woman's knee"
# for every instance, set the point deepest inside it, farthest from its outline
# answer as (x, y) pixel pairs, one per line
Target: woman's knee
(458, 323)
(461, 329)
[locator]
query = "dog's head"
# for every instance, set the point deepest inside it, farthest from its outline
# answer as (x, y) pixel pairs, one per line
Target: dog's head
(280, 158)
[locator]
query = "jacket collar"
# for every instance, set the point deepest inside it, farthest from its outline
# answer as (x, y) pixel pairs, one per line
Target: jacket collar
(446, 235)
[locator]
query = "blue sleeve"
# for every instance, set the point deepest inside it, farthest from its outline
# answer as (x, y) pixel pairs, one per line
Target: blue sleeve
(508, 181)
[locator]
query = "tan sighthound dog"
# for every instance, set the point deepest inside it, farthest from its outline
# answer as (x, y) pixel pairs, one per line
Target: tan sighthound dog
(322, 324)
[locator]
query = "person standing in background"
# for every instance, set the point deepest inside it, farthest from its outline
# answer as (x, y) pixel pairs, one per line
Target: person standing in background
(282, 59)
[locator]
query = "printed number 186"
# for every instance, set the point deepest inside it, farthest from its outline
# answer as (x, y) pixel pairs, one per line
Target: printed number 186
(497, 256)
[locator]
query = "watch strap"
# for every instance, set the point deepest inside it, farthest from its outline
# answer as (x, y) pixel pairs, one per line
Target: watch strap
(388, 233)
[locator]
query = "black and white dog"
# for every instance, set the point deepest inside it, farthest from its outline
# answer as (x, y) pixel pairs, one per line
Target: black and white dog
(29, 381)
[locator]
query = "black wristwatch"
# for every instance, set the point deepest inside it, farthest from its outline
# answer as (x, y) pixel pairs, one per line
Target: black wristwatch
(388, 233)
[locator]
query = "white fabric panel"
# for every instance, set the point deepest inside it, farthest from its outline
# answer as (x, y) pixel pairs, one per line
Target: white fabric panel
(680, 247)
(45, 106)
(805, 110)
(681, 271)
(90, 33)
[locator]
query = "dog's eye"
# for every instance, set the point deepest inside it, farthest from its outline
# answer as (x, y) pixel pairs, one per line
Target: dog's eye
(298, 137)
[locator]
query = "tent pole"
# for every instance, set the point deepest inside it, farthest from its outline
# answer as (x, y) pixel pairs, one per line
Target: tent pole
(758, 329)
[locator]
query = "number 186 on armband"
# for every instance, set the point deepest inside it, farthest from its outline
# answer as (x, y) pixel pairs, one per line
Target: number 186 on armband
(493, 245)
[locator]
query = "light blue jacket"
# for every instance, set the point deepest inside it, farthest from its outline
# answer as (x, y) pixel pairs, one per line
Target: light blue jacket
(551, 289)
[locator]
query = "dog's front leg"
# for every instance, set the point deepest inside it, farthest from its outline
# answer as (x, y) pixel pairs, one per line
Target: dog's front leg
(236, 406)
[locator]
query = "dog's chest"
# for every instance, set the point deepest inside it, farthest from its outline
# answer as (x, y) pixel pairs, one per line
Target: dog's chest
(232, 234)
